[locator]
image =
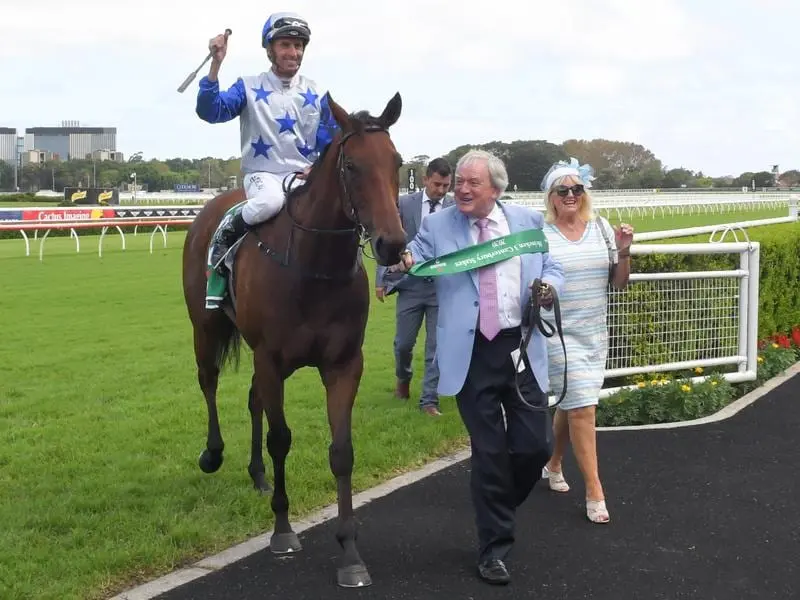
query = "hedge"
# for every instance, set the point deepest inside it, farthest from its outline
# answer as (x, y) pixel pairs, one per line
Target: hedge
(31, 198)
(779, 281)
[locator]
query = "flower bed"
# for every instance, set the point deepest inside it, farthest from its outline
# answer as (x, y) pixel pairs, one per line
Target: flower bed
(665, 399)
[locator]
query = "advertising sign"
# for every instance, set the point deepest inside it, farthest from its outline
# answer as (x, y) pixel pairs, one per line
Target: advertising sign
(92, 196)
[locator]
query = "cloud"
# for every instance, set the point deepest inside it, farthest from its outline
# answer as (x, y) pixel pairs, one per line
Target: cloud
(593, 79)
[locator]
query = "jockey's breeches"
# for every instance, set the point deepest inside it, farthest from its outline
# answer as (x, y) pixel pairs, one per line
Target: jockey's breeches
(265, 196)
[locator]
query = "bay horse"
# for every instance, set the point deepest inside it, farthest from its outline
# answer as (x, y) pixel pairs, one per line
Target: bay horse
(301, 298)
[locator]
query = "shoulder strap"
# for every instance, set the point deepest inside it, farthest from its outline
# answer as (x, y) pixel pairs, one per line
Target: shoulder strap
(611, 262)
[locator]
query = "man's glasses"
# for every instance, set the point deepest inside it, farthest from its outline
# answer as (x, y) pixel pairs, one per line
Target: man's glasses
(563, 190)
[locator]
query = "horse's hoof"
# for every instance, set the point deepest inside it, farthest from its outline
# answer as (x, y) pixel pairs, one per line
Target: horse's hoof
(261, 484)
(210, 462)
(353, 576)
(285, 543)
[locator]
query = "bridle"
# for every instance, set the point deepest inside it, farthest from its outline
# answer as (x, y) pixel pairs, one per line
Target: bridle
(358, 231)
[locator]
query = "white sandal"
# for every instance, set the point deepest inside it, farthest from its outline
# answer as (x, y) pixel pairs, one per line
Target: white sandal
(555, 479)
(596, 511)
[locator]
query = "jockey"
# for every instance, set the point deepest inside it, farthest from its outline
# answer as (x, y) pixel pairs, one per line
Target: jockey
(285, 122)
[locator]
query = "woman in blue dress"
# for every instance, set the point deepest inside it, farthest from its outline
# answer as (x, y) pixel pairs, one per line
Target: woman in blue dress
(592, 255)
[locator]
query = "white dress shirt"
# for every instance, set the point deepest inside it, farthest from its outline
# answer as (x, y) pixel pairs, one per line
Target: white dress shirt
(509, 271)
(426, 205)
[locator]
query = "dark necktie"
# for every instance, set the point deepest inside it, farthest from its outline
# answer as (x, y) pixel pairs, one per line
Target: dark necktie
(433, 204)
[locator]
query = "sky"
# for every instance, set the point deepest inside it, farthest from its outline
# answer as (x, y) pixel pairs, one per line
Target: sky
(707, 85)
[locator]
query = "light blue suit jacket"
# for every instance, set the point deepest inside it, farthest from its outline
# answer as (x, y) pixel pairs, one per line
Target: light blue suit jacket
(410, 207)
(457, 294)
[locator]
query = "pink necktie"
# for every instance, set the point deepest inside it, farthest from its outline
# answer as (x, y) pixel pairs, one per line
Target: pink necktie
(487, 284)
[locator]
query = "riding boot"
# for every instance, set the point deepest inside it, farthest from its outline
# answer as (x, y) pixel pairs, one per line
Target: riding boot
(232, 230)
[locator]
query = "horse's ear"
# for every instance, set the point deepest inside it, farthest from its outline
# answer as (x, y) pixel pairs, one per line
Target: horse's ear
(392, 111)
(339, 114)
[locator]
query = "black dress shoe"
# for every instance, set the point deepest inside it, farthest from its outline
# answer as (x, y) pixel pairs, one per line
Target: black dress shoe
(494, 571)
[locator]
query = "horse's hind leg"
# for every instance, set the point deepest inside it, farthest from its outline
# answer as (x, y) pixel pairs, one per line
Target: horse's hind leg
(256, 467)
(269, 389)
(341, 384)
(208, 376)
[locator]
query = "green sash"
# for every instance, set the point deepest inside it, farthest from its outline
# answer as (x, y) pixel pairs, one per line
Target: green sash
(529, 241)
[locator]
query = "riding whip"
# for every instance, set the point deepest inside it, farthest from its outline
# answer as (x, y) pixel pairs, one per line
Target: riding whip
(182, 87)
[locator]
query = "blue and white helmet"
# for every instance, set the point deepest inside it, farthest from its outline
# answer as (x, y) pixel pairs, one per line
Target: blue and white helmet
(285, 24)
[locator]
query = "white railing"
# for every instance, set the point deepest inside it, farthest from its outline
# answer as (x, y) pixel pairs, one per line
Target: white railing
(662, 205)
(159, 224)
(689, 319)
(603, 198)
(720, 231)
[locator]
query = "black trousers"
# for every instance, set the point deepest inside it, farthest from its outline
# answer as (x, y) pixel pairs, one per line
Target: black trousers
(507, 458)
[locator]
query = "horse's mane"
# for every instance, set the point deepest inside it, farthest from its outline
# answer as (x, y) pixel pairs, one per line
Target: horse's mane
(359, 121)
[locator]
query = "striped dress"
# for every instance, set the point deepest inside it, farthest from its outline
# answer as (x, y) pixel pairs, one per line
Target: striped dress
(583, 314)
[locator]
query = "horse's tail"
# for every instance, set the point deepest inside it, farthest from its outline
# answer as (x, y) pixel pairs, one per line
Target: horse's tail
(227, 345)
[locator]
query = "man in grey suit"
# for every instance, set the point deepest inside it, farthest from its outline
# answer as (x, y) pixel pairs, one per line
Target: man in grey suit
(416, 296)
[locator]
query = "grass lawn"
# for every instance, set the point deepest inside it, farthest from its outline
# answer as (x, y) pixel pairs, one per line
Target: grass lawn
(102, 421)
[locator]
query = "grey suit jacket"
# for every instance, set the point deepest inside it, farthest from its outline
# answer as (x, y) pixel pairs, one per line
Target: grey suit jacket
(410, 206)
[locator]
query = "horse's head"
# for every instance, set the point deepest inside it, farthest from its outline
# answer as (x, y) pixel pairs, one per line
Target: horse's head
(368, 169)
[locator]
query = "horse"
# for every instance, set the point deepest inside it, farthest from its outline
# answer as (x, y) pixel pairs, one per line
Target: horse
(299, 296)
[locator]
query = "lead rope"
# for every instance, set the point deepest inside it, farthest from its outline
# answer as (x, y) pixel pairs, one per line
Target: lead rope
(534, 319)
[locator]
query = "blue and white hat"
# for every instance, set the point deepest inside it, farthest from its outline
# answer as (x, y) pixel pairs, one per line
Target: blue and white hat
(285, 24)
(583, 172)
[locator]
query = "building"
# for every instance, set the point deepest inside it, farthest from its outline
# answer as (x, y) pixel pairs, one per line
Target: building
(8, 145)
(106, 155)
(35, 157)
(71, 141)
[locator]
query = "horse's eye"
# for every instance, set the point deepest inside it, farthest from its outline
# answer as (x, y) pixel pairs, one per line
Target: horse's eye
(351, 167)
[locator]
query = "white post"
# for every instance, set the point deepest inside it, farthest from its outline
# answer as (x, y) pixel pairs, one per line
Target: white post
(794, 200)
(744, 309)
(754, 266)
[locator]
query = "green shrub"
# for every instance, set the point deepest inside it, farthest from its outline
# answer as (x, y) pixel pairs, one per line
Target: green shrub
(779, 280)
(663, 399)
(30, 198)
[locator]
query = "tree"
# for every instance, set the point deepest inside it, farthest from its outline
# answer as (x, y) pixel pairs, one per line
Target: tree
(6, 176)
(790, 178)
(529, 160)
(761, 178)
(675, 178)
(615, 160)
(526, 160)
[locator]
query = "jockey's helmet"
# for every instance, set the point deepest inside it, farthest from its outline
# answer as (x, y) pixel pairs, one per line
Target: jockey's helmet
(285, 24)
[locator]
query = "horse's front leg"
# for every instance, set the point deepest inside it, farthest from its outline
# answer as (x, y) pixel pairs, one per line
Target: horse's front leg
(341, 384)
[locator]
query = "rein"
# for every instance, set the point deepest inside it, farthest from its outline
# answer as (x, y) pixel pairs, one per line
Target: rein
(532, 318)
(358, 231)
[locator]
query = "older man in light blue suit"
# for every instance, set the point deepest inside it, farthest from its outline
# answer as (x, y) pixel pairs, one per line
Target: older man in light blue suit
(474, 348)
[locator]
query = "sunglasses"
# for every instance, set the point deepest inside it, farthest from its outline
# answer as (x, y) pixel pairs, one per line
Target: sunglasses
(563, 190)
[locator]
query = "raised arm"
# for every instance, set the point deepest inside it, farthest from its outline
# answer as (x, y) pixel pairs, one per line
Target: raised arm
(215, 106)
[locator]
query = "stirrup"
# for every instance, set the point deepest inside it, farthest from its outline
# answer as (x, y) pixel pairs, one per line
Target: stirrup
(555, 479)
